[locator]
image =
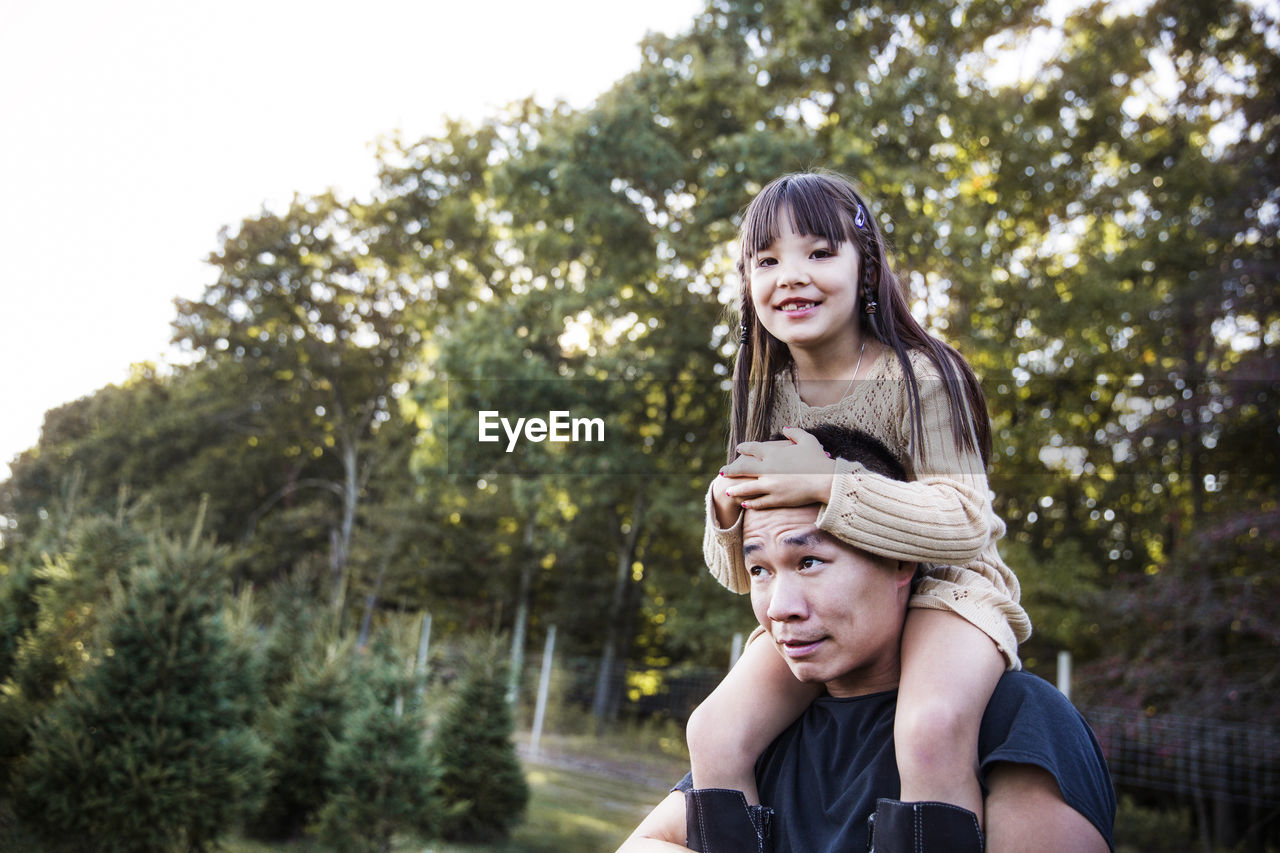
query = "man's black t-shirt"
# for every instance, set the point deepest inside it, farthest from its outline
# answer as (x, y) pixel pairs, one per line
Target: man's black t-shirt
(824, 774)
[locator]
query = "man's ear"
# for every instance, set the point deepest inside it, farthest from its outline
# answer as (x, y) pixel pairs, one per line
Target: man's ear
(906, 573)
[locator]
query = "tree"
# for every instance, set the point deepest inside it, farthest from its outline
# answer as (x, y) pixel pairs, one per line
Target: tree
(56, 610)
(151, 748)
(316, 328)
(165, 442)
(311, 694)
(481, 784)
(381, 774)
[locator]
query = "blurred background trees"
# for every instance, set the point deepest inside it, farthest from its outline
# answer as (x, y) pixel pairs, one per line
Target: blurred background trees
(1083, 201)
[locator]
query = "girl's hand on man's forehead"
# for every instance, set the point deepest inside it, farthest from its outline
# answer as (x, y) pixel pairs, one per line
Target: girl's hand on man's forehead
(795, 471)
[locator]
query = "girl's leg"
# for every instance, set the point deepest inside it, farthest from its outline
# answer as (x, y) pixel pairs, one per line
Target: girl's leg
(949, 671)
(756, 701)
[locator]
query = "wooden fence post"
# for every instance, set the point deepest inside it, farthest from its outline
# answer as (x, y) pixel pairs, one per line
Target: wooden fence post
(735, 650)
(544, 685)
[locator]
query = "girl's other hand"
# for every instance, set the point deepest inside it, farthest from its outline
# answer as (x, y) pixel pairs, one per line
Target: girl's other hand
(727, 509)
(795, 471)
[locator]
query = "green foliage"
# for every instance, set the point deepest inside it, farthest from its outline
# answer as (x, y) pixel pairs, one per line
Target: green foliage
(380, 773)
(55, 610)
(1152, 830)
(18, 611)
(150, 749)
(299, 635)
(1097, 236)
(1063, 590)
(481, 784)
(300, 732)
(317, 337)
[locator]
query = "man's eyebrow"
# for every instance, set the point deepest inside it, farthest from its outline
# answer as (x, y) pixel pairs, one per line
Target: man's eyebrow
(805, 540)
(810, 539)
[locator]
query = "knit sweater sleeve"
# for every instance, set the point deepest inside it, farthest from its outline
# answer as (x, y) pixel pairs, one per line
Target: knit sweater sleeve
(722, 550)
(944, 515)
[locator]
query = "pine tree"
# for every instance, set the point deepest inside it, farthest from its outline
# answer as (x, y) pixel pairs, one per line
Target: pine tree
(150, 749)
(481, 783)
(48, 616)
(380, 772)
(300, 732)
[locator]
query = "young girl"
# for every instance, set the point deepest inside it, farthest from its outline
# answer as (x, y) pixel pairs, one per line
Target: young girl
(827, 336)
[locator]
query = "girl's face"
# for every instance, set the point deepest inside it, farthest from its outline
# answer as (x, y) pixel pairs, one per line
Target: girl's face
(805, 290)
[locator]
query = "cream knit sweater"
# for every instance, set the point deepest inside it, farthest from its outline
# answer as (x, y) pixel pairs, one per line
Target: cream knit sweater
(942, 518)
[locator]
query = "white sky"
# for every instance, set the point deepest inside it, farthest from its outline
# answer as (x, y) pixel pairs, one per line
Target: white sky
(131, 131)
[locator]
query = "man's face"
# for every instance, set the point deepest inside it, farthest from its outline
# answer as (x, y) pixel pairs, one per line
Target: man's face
(834, 612)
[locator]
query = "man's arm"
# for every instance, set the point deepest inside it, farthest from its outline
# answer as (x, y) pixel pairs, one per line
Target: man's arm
(661, 830)
(1027, 814)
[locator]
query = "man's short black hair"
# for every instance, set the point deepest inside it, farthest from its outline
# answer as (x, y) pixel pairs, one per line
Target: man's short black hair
(855, 445)
(858, 446)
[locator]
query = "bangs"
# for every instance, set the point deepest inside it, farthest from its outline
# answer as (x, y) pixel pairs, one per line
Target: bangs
(812, 204)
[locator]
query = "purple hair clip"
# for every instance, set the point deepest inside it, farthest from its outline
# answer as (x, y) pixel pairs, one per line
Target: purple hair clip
(860, 221)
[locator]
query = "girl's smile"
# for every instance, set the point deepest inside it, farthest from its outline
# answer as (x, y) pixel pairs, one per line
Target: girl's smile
(795, 305)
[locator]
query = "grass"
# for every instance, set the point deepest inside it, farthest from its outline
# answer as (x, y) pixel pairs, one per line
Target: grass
(587, 796)
(573, 811)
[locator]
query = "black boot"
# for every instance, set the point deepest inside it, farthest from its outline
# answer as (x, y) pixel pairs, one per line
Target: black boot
(720, 821)
(898, 827)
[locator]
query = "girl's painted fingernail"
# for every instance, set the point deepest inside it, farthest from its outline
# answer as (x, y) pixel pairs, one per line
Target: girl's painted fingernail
(827, 454)
(746, 504)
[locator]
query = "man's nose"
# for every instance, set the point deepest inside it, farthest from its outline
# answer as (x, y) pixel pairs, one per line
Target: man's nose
(787, 600)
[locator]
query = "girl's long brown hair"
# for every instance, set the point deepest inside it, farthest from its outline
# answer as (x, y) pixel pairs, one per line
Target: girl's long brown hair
(827, 205)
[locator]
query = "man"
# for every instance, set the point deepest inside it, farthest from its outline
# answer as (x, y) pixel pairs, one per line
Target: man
(836, 613)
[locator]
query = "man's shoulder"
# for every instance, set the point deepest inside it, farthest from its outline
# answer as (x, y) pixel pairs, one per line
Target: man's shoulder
(1021, 699)
(1028, 721)
(1027, 686)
